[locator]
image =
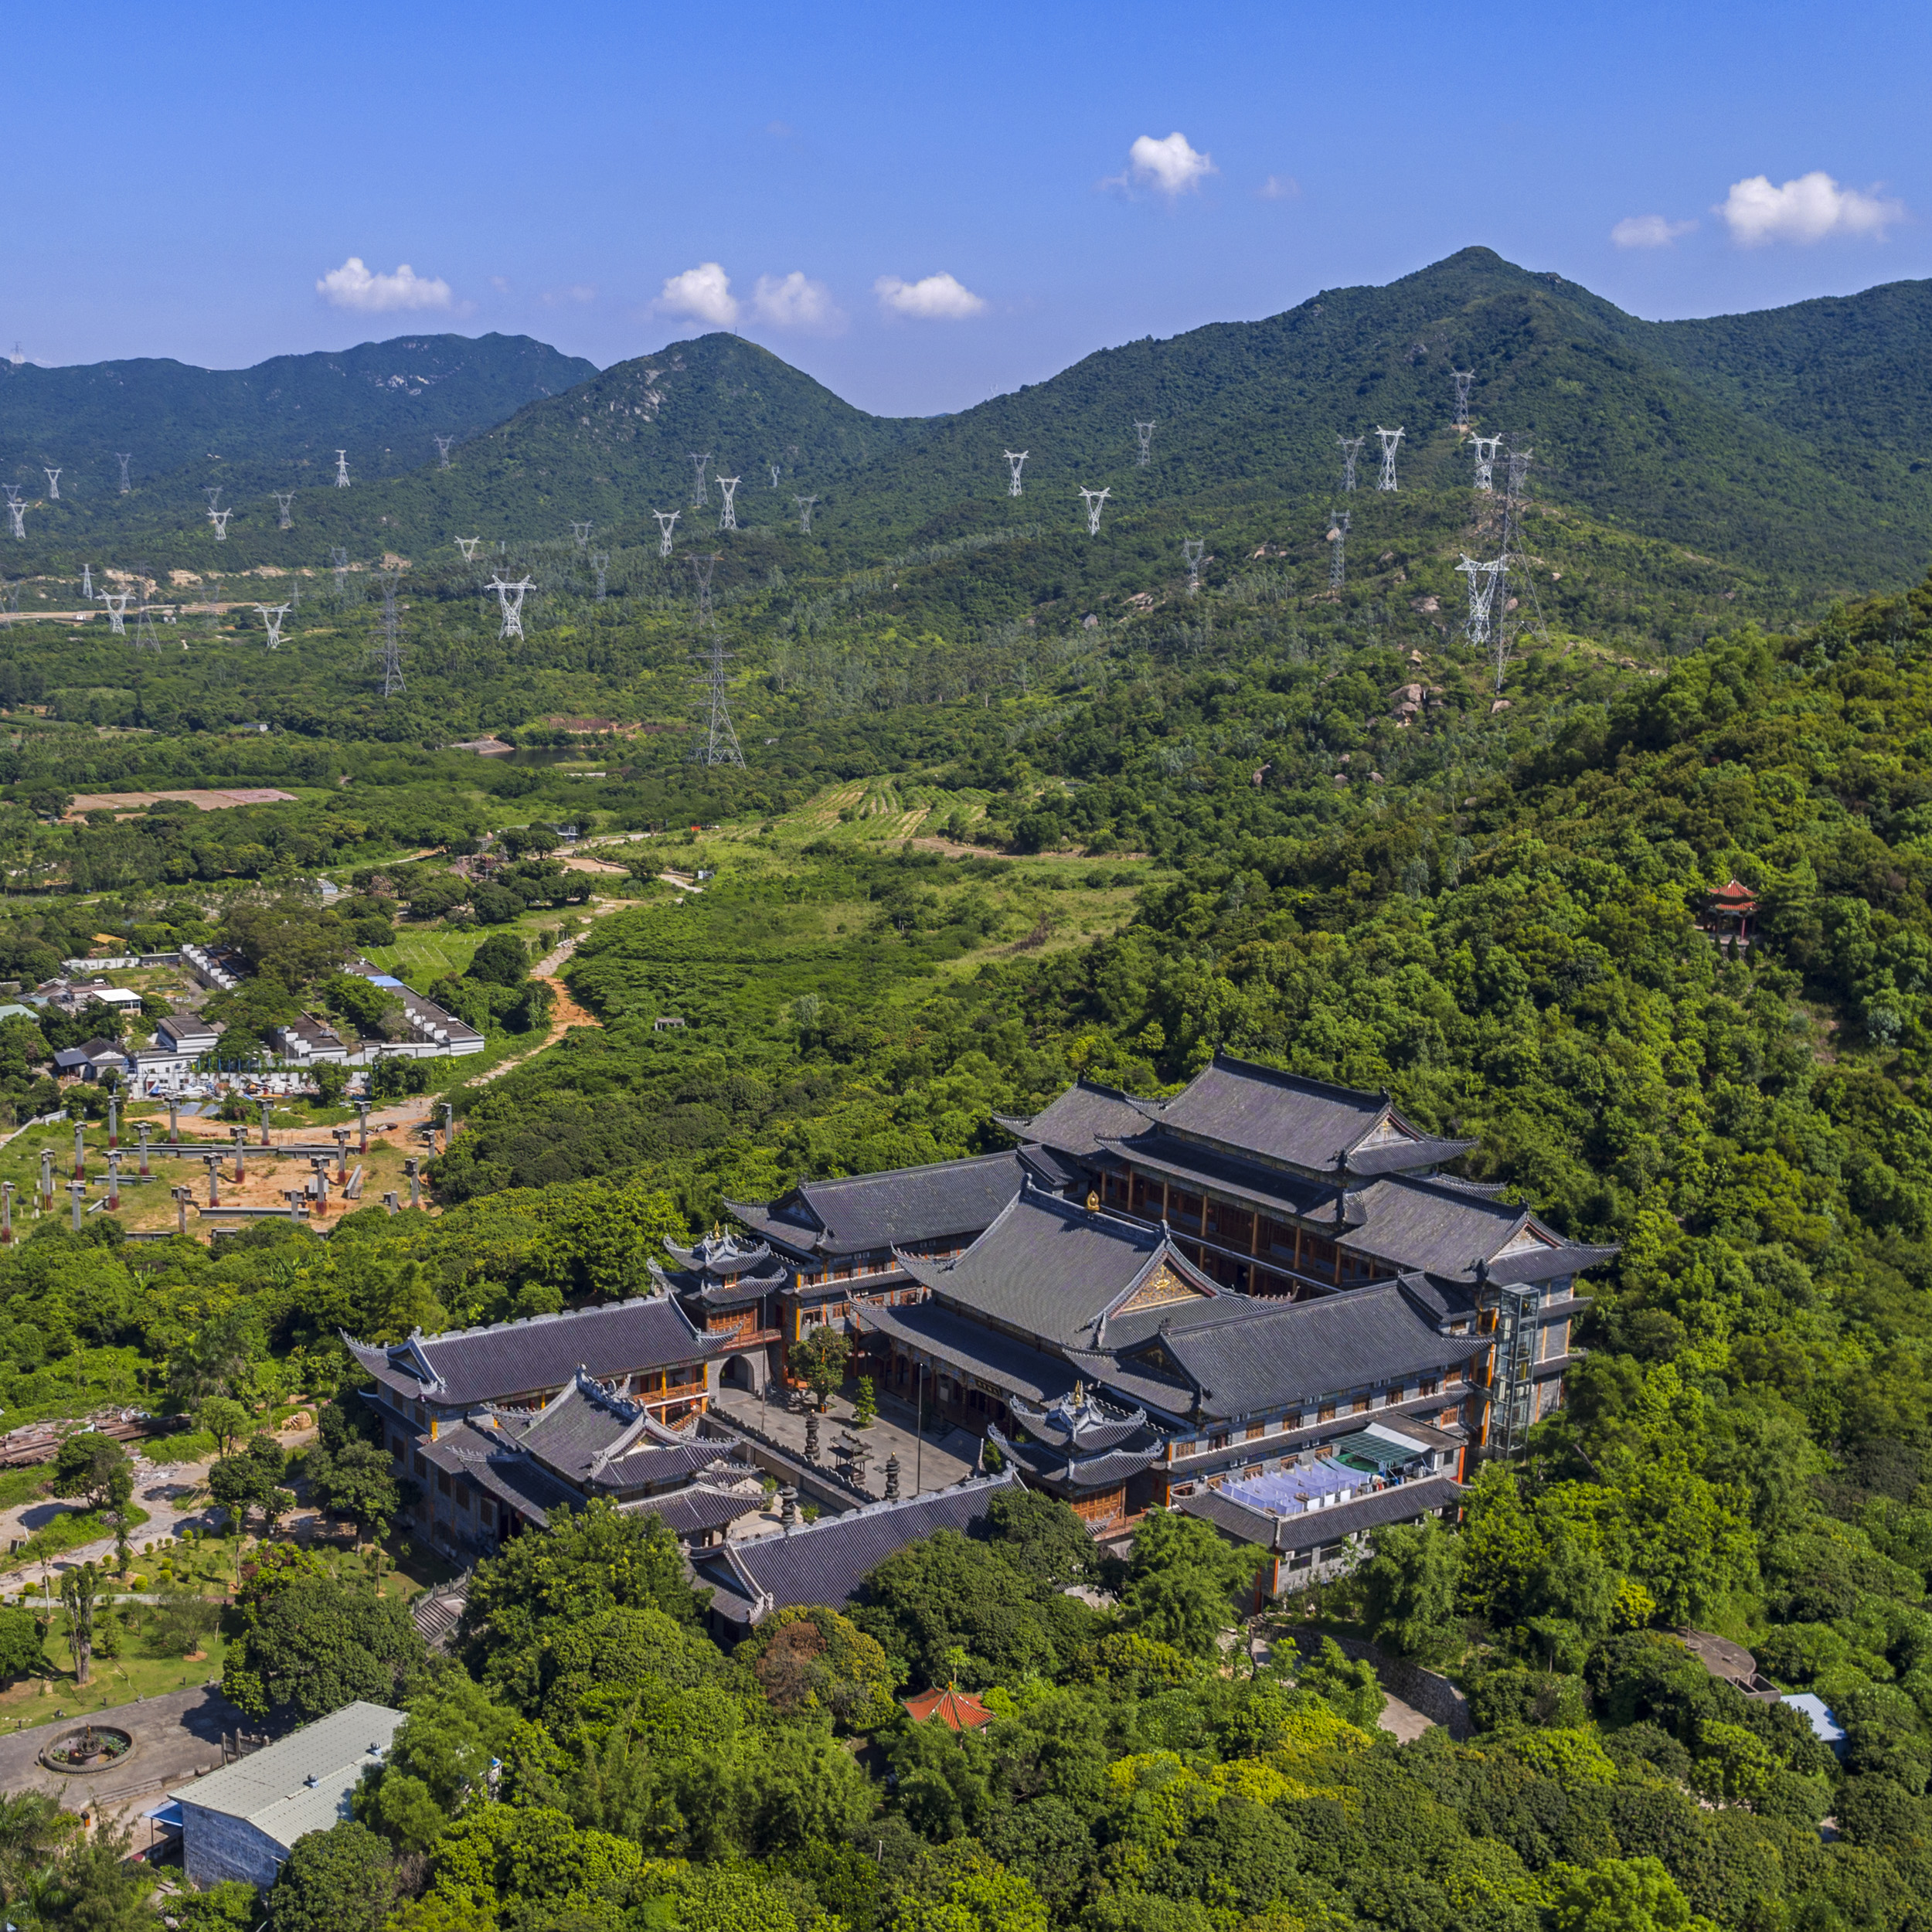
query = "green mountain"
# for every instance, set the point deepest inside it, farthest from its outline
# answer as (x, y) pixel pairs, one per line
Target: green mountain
(275, 426)
(1772, 457)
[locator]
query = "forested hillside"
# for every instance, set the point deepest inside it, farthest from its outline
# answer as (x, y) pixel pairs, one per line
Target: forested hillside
(277, 426)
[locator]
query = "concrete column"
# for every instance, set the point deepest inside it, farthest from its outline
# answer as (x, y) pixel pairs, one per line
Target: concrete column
(144, 1130)
(46, 1180)
(113, 1121)
(6, 1214)
(114, 1182)
(362, 1109)
(266, 1105)
(79, 1152)
(414, 1168)
(241, 1142)
(340, 1136)
(212, 1163)
(78, 1191)
(174, 1121)
(181, 1195)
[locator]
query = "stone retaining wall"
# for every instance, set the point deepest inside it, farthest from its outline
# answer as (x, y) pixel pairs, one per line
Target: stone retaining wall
(1423, 1690)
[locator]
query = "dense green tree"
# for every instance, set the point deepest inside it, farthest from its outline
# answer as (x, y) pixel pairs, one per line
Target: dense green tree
(1184, 1584)
(314, 1644)
(340, 1880)
(94, 1467)
(1409, 1591)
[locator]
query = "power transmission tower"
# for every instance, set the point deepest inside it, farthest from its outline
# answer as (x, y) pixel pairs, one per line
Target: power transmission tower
(1391, 439)
(220, 519)
(145, 638)
(1014, 459)
(599, 562)
(804, 504)
(126, 487)
(468, 546)
(283, 499)
(87, 583)
(392, 637)
(342, 469)
(700, 490)
(701, 569)
(720, 746)
(273, 616)
(1462, 378)
(1338, 553)
(1093, 499)
(1519, 471)
(1351, 449)
(53, 483)
(581, 532)
(213, 496)
(1486, 461)
(16, 510)
(339, 562)
(728, 486)
(443, 443)
(1193, 548)
(1482, 589)
(775, 475)
(116, 603)
(1145, 432)
(509, 598)
(667, 522)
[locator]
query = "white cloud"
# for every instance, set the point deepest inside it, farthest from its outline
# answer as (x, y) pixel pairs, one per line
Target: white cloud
(500, 284)
(579, 292)
(1280, 188)
(936, 298)
(1807, 209)
(795, 301)
(703, 292)
(1171, 166)
(1648, 231)
(353, 286)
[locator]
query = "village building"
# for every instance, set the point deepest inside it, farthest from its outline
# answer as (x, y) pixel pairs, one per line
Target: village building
(242, 1820)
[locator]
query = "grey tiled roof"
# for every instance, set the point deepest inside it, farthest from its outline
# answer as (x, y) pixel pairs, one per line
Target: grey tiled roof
(1084, 1469)
(525, 1358)
(827, 1562)
(869, 1212)
(970, 1346)
(1049, 1268)
(697, 1510)
(1421, 1223)
(1401, 1503)
(1286, 1352)
(1078, 1120)
(1272, 1190)
(1306, 1123)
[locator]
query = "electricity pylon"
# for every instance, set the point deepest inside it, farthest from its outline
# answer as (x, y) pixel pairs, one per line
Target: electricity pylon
(1351, 449)
(1015, 459)
(124, 455)
(1391, 441)
(1486, 447)
(1094, 499)
(1145, 432)
(729, 486)
(273, 615)
(1337, 555)
(1193, 548)
(1462, 378)
(667, 522)
(468, 546)
(509, 597)
(804, 504)
(116, 603)
(342, 469)
(700, 490)
(443, 443)
(283, 499)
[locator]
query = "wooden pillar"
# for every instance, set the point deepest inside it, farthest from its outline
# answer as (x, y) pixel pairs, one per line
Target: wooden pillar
(1297, 1247)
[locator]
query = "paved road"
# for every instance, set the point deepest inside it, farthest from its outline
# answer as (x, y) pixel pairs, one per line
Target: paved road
(175, 1737)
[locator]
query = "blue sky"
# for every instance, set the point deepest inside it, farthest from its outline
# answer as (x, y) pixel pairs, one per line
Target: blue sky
(940, 203)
